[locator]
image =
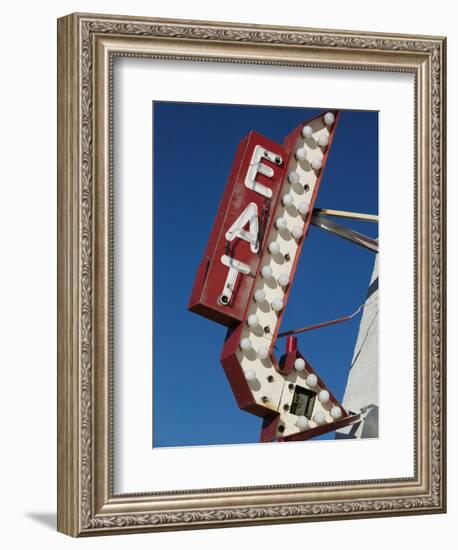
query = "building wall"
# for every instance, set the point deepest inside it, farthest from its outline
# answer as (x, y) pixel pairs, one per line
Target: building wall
(362, 390)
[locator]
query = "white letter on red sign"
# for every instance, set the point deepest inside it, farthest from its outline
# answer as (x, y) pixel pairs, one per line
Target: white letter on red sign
(236, 231)
(256, 166)
(235, 267)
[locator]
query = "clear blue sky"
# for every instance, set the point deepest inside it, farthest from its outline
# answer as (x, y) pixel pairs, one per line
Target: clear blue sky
(193, 149)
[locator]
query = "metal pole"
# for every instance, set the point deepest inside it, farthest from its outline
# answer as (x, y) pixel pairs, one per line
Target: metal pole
(344, 232)
(346, 214)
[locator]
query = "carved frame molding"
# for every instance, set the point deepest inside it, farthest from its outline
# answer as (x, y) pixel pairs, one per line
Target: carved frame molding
(87, 45)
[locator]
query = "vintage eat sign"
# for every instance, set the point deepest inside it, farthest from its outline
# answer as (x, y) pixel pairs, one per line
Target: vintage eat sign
(245, 278)
(226, 274)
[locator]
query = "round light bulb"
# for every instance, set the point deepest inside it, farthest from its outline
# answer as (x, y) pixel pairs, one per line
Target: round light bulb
(297, 231)
(280, 223)
(336, 412)
(252, 320)
(323, 396)
(316, 163)
(245, 344)
(319, 417)
(287, 200)
(301, 154)
(274, 247)
(323, 140)
(328, 118)
(303, 207)
(250, 375)
(277, 304)
(293, 177)
(307, 131)
(302, 423)
(266, 272)
(260, 295)
(283, 280)
(299, 364)
(312, 380)
(263, 352)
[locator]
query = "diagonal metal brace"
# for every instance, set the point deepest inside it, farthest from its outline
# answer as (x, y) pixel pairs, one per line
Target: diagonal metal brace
(344, 232)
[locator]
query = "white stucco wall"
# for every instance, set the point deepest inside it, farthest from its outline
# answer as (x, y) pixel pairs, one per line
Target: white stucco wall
(362, 385)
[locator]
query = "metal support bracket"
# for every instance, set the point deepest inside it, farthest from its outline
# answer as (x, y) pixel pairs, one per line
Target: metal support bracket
(340, 230)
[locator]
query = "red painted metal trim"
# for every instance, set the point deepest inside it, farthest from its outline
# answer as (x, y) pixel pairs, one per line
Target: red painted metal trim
(291, 142)
(269, 429)
(286, 363)
(291, 344)
(234, 371)
(289, 333)
(236, 376)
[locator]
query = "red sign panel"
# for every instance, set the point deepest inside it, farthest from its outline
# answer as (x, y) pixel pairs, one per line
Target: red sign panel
(226, 274)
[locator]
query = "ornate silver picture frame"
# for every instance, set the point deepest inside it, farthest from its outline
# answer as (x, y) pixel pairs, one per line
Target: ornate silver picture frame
(87, 47)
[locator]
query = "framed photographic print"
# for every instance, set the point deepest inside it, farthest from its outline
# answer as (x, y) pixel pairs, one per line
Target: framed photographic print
(251, 274)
